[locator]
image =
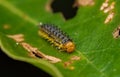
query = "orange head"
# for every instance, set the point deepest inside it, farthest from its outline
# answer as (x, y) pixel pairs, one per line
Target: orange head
(69, 46)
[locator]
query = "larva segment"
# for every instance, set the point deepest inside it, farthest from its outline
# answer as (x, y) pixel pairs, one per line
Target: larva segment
(57, 37)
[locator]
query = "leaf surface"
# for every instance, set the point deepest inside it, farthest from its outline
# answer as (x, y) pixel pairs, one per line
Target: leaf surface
(95, 45)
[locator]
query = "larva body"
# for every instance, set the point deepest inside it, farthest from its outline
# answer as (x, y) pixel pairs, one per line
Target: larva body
(57, 37)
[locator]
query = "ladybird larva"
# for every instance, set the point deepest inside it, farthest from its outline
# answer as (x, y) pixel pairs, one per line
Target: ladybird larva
(56, 37)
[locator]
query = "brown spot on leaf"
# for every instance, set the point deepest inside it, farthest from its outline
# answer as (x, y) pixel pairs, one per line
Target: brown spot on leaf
(106, 8)
(73, 58)
(39, 54)
(48, 6)
(110, 8)
(84, 3)
(33, 51)
(68, 64)
(104, 5)
(116, 33)
(52, 59)
(6, 26)
(17, 37)
(109, 17)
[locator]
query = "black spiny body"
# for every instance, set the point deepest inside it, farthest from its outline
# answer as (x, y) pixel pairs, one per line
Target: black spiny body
(56, 36)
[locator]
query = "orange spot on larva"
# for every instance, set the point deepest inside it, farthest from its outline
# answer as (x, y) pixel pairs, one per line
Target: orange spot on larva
(69, 46)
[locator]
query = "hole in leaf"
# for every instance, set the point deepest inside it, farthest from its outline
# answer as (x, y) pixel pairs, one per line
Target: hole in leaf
(65, 7)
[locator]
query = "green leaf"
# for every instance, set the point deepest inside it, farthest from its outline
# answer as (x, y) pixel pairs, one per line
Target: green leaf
(95, 45)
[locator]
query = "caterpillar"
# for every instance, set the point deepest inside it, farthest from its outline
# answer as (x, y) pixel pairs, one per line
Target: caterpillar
(57, 37)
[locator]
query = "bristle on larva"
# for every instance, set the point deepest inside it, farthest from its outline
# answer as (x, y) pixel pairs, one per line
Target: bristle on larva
(53, 34)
